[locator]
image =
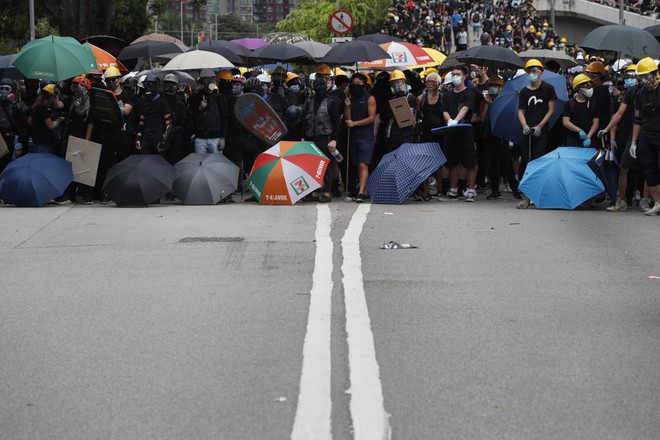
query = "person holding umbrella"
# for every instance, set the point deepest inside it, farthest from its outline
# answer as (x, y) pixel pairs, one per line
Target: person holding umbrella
(536, 105)
(646, 130)
(580, 116)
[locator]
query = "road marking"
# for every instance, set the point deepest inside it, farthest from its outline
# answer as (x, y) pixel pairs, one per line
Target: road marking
(370, 421)
(313, 414)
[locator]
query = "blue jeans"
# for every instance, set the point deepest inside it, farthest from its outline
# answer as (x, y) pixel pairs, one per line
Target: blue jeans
(207, 145)
(34, 148)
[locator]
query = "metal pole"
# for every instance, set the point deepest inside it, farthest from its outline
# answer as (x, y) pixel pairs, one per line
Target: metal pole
(621, 19)
(216, 26)
(181, 8)
(32, 33)
(552, 13)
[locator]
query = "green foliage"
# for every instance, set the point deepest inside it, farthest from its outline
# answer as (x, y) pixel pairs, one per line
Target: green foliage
(15, 24)
(311, 18)
(157, 8)
(231, 26)
(131, 19)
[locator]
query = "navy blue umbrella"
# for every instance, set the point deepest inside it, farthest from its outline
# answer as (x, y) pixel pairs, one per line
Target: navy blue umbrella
(400, 172)
(35, 179)
(503, 112)
(606, 167)
(561, 179)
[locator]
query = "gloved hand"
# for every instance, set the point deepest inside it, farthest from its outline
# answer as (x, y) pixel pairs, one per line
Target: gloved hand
(161, 147)
(221, 144)
(602, 133)
(613, 145)
(451, 122)
(586, 143)
(633, 150)
(527, 130)
(536, 131)
(582, 134)
(138, 145)
(332, 145)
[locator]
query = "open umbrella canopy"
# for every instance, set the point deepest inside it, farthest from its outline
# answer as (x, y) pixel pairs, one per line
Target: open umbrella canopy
(628, 40)
(35, 179)
(146, 49)
(400, 55)
(282, 52)
(451, 61)
(400, 172)
(355, 51)
(204, 179)
(162, 38)
(112, 45)
(139, 180)
(563, 59)
(503, 112)
(561, 179)
(287, 172)
(314, 48)
(104, 59)
(250, 43)
(54, 58)
(233, 52)
(7, 69)
(183, 77)
(198, 60)
(492, 57)
(379, 38)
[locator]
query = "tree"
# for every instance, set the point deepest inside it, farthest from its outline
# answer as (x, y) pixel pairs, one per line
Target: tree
(311, 18)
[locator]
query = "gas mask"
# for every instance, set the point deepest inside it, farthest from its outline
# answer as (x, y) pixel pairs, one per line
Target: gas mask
(170, 88)
(78, 90)
(112, 83)
(150, 88)
(6, 94)
(320, 88)
(295, 89)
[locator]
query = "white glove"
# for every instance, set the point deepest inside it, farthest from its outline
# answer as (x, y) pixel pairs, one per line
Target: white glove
(613, 145)
(332, 144)
(537, 131)
(527, 130)
(221, 144)
(633, 150)
(451, 122)
(602, 133)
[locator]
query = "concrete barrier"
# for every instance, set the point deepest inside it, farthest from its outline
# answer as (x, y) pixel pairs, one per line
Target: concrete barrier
(595, 12)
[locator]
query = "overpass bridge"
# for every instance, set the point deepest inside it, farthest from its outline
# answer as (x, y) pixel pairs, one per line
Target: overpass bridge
(576, 18)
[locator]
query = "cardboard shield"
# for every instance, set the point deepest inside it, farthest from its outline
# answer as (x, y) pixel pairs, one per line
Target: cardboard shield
(403, 114)
(84, 156)
(4, 149)
(259, 118)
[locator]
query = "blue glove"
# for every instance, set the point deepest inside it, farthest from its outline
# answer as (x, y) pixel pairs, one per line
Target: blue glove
(582, 134)
(586, 143)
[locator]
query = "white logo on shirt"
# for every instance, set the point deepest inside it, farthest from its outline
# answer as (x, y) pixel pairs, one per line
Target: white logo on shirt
(534, 101)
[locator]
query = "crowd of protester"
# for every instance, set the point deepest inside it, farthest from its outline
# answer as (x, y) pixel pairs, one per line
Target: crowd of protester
(615, 103)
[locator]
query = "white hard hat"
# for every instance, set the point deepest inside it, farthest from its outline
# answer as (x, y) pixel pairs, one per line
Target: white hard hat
(264, 78)
(447, 79)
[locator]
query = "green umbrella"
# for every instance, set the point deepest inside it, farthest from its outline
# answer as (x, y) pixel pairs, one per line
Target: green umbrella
(624, 39)
(54, 58)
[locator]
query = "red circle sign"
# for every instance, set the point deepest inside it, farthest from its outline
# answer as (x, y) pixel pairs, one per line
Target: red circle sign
(341, 22)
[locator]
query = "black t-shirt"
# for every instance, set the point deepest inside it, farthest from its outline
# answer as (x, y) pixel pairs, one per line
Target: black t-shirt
(648, 104)
(581, 114)
(535, 103)
(603, 100)
(154, 112)
(453, 102)
(40, 133)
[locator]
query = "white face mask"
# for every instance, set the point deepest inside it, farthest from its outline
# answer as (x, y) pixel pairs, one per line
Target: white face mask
(588, 92)
(457, 81)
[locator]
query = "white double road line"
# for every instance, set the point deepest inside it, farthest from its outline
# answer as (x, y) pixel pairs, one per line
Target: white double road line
(314, 411)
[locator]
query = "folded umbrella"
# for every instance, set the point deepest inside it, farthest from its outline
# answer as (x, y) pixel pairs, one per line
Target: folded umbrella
(400, 172)
(503, 112)
(139, 180)
(607, 168)
(561, 179)
(35, 179)
(204, 179)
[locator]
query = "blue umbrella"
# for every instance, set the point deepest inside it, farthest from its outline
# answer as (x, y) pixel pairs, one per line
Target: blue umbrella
(606, 167)
(561, 179)
(35, 179)
(503, 112)
(400, 172)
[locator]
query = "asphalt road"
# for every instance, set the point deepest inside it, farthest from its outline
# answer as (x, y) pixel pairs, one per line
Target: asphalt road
(180, 322)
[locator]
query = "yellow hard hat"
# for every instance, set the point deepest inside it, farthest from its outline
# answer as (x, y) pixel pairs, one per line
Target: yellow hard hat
(111, 72)
(538, 34)
(532, 28)
(631, 68)
(225, 75)
(428, 71)
(596, 67)
(646, 65)
(397, 74)
(534, 63)
(338, 72)
(290, 76)
(563, 40)
(551, 44)
(509, 28)
(49, 88)
(323, 69)
(580, 79)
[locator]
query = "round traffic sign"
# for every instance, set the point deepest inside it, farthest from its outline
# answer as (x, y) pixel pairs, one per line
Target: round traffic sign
(341, 22)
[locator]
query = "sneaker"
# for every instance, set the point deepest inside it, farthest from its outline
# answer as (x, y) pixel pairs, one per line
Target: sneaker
(620, 205)
(105, 199)
(654, 211)
(470, 194)
(324, 199)
(359, 198)
(644, 204)
(88, 201)
(505, 188)
(516, 194)
(523, 204)
(452, 194)
(494, 195)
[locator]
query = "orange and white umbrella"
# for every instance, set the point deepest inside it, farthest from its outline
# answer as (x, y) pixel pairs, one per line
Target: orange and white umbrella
(287, 172)
(401, 55)
(105, 59)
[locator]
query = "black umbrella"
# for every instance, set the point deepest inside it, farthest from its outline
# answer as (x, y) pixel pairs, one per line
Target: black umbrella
(379, 38)
(108, 43)
(148, 49)
(355, 51)
(7, 70)
(653, 30)
(282, 52)
(204, 179)
(624, 39)
(606, 167)
(451, 61)
(139, 180)
(491, 57)
(231, 51)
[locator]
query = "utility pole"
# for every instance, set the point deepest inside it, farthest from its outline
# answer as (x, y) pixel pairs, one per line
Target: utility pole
(32, 33)
(552, 13)
(621, 19)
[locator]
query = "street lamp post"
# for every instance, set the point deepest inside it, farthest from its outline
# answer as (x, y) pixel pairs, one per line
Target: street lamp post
(32, 32)
(181, 9)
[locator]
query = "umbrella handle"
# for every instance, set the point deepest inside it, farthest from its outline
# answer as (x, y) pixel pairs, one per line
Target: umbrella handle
(529, 157)
(602, 142)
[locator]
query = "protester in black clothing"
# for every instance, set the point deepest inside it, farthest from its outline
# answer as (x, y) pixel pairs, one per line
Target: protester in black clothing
(177, 149)
(43, 127)
(581, 114)
(155, 119)
(210, 117)
(596, 72)
(77, 120)
(12, 116)
(396, 136)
